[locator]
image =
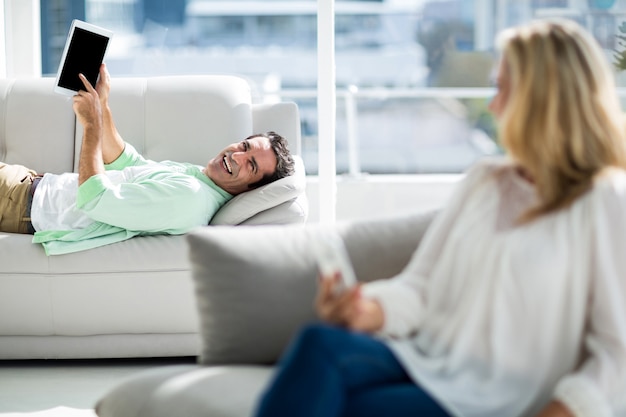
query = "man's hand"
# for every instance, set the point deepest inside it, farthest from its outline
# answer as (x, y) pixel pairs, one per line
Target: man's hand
(89, 112)
(348, 309)
(87, 106)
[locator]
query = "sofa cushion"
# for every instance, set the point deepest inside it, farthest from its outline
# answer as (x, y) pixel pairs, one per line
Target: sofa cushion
(36, 125)
(255, 285)
(46, 293)
(248, 204)
(290, 212)
(187, 390)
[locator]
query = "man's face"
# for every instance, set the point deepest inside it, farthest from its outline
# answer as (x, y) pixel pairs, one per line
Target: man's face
(241, 164)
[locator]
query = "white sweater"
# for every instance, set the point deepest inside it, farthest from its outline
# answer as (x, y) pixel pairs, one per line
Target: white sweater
(495, 320)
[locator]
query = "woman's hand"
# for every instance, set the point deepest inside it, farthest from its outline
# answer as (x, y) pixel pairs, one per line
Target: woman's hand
(348, 308)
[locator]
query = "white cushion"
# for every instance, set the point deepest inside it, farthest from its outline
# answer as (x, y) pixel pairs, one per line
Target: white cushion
(36, 125)
(252, 202)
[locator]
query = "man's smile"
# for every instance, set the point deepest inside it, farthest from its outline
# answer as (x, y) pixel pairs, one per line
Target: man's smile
(226, 164)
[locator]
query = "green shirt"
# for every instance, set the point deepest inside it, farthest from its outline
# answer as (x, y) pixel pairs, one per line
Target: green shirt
(135, 196)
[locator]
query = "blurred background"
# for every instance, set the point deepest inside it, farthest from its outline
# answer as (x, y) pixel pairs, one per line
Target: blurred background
(414, 77)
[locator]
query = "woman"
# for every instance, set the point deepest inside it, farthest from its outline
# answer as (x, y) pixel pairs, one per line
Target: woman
(515, 303)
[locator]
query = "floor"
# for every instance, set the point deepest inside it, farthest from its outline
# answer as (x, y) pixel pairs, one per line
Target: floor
(67, 388)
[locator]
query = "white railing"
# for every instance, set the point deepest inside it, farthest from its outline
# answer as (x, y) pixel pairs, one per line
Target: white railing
(352, 94)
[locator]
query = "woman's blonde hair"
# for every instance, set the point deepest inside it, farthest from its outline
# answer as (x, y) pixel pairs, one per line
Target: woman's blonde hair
(562, 121)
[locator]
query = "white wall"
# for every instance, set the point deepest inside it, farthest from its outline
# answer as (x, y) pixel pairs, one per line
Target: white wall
(22, 45)
(3, 51)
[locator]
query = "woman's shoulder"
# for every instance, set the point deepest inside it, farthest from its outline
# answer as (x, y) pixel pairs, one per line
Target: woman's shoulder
(610, 178)
(606, 202)
(609, 187)
(491, 167)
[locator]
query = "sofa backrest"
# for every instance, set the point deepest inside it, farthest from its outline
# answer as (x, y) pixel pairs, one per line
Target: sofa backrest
(180, 118)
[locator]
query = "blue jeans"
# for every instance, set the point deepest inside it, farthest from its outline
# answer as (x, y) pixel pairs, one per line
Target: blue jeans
(331, 372)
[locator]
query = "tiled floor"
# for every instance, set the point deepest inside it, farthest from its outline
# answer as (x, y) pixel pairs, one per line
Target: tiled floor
(62, 387)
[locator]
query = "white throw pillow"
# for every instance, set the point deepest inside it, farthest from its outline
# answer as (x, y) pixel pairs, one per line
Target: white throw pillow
(246, 205)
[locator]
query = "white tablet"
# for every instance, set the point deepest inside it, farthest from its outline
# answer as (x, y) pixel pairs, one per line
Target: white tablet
(84, 52)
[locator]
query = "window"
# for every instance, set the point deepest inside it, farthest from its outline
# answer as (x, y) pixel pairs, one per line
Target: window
(413, 76)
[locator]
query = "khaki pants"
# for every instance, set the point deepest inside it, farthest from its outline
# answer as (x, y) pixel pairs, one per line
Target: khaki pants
(15, 181)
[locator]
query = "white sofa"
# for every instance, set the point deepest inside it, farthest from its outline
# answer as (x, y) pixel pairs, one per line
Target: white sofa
(134, 298)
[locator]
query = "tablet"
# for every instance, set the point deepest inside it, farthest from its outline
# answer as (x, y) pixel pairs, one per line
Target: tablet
(84, 52)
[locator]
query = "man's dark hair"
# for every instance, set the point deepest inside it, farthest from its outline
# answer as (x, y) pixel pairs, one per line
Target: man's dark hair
(284, 160)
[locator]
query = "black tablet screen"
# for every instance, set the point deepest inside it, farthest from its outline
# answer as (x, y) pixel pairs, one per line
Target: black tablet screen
(84, 55)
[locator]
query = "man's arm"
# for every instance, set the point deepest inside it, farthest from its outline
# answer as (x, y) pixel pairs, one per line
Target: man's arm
(112, 142)
(87, 108)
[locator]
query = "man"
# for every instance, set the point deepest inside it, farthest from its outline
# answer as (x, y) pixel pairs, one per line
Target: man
(118, 194)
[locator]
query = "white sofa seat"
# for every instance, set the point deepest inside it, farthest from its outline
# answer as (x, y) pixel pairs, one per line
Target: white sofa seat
(133, 298)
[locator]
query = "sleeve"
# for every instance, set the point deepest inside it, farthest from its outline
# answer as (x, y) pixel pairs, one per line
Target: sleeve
(403, 297)
(598, 387)
(172, 204)
(128, 157)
